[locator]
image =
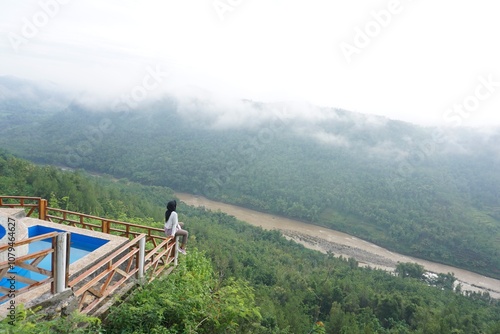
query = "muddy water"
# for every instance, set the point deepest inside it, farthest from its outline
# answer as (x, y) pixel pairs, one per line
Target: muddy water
(327, 240)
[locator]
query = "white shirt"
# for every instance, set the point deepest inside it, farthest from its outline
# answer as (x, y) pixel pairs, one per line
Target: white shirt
(172, 223)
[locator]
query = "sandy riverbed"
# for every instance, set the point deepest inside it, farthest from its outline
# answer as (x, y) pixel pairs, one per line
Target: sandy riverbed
(327, 240)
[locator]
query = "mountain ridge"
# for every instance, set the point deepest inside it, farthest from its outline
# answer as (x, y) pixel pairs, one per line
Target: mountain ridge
(387, 181)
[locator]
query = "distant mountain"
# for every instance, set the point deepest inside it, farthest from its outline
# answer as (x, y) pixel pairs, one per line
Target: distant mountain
(24, 92)
(24, 101)
(428, 192)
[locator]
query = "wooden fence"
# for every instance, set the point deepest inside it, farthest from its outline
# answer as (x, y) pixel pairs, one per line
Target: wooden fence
(23, 262)
(148, 251)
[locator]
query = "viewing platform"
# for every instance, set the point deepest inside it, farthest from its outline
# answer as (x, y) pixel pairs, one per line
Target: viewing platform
(63, 260)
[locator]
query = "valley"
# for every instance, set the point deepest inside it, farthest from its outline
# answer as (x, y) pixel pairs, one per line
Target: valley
(342, 244)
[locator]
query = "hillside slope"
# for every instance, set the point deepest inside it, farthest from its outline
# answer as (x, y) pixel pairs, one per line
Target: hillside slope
(239, 278)
(431, 193)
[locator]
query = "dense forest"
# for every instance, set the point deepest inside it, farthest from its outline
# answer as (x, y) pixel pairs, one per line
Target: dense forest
(238, 278)
(427, 192)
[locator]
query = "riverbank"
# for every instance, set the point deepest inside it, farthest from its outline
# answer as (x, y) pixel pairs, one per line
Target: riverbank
(342, 244)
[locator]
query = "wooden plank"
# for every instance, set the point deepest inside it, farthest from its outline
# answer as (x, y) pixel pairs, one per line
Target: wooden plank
(3, 271)
(102, 274)
(30, 240)
(35, 269)
(104, 261)
(21, 197)
(130, 262)
(5, 291)
(30, 212)
(82, 298)
(105, 293)
(26, 280)
(122, 272)
(111, 269)
(108, 280)
(26, 257)
(37, 261)
(28, 288)
(95, 292)
(155, 250)
(154, 263)
(157, 258)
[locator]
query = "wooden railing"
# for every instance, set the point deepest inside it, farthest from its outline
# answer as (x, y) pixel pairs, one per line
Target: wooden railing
(13, 261)
(109, 226)
(32, 203)
(158, 251)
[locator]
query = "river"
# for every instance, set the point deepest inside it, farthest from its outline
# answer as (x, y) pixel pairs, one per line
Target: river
(326, 240)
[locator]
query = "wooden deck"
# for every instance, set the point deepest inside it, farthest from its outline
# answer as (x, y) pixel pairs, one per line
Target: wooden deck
(147, 254)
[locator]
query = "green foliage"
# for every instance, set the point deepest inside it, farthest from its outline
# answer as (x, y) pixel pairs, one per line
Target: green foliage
(245, 279)
(29, 322)
(391, 183)
(296, 287)
(410, 269)
(77, 191)
(189, 300)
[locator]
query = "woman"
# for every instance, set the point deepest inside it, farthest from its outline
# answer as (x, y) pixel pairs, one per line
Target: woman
(173, 227)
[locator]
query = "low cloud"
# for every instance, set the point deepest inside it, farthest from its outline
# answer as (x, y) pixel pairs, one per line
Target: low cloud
(330, 139)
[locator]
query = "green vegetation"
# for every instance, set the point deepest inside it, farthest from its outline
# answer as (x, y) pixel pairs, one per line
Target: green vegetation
(190, 300)
(413, 270)
(418, 191)
(240, 279)
(77, 191)
(296, 287)
(31, 322)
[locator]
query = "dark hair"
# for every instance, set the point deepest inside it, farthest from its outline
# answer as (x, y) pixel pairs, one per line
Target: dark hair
(171, 206)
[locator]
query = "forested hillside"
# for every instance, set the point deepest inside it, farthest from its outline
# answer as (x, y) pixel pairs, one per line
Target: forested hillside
(240, 279)
(431, 193)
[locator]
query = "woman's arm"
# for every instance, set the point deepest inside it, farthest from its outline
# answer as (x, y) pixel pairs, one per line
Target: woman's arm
(175, 222)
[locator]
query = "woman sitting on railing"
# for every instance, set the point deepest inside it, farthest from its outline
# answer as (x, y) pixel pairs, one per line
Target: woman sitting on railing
(173, 227)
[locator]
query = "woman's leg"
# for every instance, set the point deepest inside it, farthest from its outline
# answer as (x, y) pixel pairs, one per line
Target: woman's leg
(184, 235)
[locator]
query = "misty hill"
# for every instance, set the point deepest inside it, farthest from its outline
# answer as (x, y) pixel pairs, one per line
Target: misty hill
(18, 96)
(428, 192)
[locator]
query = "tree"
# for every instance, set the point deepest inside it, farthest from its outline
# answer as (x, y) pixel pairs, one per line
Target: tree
(190, 299)
(410, 269)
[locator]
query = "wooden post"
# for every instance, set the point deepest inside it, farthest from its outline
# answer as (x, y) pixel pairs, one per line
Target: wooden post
(105, 226)
(42, 209)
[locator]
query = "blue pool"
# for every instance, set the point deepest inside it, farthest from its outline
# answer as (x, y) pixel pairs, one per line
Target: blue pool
(2, 231)
(81, 245)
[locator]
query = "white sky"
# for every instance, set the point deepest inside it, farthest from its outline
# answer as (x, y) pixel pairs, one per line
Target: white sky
(429, 56)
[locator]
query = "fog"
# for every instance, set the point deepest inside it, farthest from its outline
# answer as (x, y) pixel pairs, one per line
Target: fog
(323, 54)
